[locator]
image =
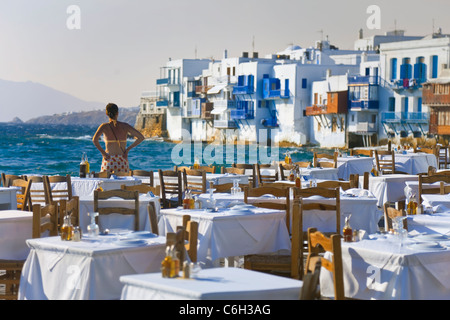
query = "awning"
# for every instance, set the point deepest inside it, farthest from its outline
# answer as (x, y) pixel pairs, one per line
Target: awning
(216, 89)
(218, 110)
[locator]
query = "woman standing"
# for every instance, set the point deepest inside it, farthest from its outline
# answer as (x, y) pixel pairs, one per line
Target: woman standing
(115, 155)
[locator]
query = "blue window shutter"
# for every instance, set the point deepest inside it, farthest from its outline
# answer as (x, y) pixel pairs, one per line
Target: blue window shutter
(304, 83)
(419, 105)
(393, 68)
(406, 104)
(435, 67)
(402, 71)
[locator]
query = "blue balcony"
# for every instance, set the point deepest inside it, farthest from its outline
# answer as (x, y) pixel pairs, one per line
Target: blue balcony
(243, 90)
(242, 114)
(162, 103)
(363, 80)
(272, 89)
(245, 85)
(270, 122)
(404, 117)
(361, 105)
(162, 81)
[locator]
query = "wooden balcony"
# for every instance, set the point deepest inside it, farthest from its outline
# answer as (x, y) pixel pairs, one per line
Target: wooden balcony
(207, 107)
(336, 103)
(436, 94)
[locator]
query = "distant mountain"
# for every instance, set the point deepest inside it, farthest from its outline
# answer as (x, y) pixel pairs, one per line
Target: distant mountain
(87, 118)
(26, 100)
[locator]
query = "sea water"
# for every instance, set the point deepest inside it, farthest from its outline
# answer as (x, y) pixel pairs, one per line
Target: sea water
(57, 149)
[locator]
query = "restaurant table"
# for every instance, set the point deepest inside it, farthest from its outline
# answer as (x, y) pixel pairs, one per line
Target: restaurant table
(414, 163)
(88, 269)
(229, 233)
(318, 173)
(215, 178)
(438, 222)
(382, 269)
(353, 165)
(8, 199)
(15, 228)
(389, 187)
(359, 203)
(86, 186)
(439, 202)
(412, 187)
(211, 284)
(116, 220)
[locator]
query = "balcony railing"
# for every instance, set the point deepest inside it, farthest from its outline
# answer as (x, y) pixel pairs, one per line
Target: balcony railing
(276, 94)
(404, 117)
(363, 80)
(270, 122)
(243, 89)
(224, 124)
(316, 110)
(224, 104)
(242, 114)
(364, 105)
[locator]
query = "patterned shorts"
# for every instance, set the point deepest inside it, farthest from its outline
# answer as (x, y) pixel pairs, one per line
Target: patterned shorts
(116, 163)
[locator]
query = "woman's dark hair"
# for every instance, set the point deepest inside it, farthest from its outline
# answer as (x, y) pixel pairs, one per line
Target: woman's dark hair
(111, 110)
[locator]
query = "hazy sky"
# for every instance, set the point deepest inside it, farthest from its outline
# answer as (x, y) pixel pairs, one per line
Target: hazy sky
(121, 45)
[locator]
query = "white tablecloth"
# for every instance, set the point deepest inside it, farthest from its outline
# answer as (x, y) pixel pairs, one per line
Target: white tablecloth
(439, 202)
(15, 228)
(117, 220)
(224, 234)
(67, 270)
(85, 187)
(353, 165)
(389, 187)
(414, 163)
(212, 284)
(364, 211)
(216, 178)
(381, 269)
(8, 200)
(318, 173)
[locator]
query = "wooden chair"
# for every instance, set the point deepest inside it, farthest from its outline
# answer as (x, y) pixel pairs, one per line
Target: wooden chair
(7, 179)
(317, 244)
(285, 167)
(70, 207)
(195, 180)
(433, 150)
(333, 184)
(10, 272)
(425, 179)
(207, 169)
(311, 282)
(265, 178)
(142, 189)
(45, 220)
(289, 264)
(390, 213)
(385, 161)
(39, 194)
(232, 170)
(122, 173)
(23, 195)
(102, 174)
(153, 218)
(123, 194)
(280, 204)
(57, 195)
(185, 239)
(329, 162)
(245, 166)
(150, 175)
(361, 152)
(303, 164)
(171, 185)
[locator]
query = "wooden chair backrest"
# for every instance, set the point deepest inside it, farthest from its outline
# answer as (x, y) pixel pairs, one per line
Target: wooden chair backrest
(385, 160)
(145, 174)
(277, 192)
(102, 174)
(252, 178)
(45, 218)
(23, 197)
(361, 152)
(153, 218)
(191, 237)
(333, 184)
(122, 173)
(192, 182)
(171, 183)
(207, 169)
(7, 179)
(425, 179)
(57, 195)
(303, 164)
(123, 194)
(325, 164)
(317, 243)
(39, 194)
(142, 189)
(232, 170)
(391, 213)
(319, 205)
(443, 157)
(265, 178)
(72, 208)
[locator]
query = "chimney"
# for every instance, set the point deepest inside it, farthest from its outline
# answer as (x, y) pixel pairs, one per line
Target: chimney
(225, 54)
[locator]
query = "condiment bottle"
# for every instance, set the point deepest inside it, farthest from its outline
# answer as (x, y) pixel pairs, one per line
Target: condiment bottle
(87, 163)
(412, 205)
(166, 264)
(175, 263)
(67, 229)
(291, 175)
(348, 232)
(187, 199)
(83, 167)
(297, 181)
